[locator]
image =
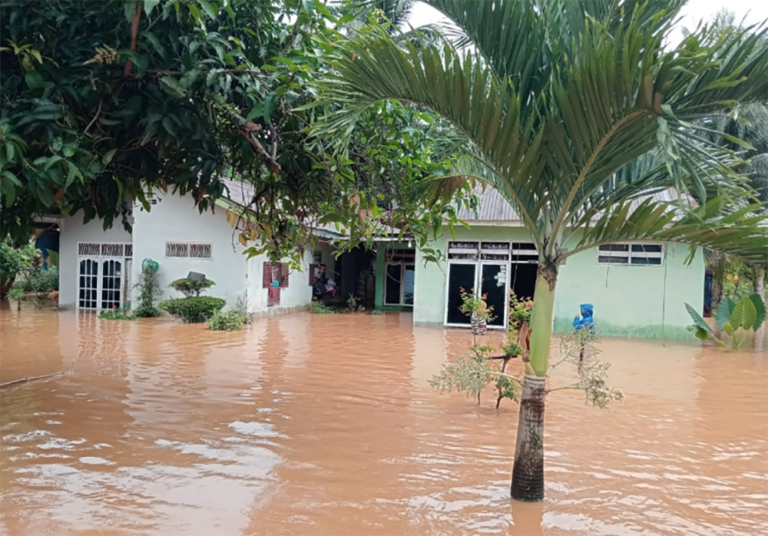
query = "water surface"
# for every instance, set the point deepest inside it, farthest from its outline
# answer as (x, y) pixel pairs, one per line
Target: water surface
(325, 425)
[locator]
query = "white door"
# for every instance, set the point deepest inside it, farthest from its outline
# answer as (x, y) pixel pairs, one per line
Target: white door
(88, 284)
(111, 284)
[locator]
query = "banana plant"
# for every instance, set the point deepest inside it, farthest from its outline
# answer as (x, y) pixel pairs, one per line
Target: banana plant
(734, 318)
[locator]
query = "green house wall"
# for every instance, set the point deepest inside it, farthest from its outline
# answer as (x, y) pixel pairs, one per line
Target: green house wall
(630, 301)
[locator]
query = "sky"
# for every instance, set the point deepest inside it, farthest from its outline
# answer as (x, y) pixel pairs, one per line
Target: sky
(696, 10)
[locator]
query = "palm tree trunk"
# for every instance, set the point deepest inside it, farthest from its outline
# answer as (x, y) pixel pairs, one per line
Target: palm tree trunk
(528, 470)
(718, 277)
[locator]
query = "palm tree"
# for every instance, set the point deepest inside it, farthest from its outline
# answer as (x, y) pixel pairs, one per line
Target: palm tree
(750, 124)
(558, 100)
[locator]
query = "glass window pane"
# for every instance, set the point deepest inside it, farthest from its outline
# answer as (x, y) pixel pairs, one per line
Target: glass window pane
(493, 286)
(651, 248)
(392, 284)
(459, 276)
(409, 283)
(614, 247)
(613, 260)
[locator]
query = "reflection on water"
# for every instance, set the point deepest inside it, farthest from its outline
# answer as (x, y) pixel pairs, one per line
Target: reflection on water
(325, 424)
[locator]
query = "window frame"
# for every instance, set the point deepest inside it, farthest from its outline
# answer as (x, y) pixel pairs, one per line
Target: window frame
(189, 250)
(630, 254)
(403, 266)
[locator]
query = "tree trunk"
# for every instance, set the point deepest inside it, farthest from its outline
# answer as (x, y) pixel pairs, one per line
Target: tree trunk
(528, 470)
(718, 277)
(758, 281)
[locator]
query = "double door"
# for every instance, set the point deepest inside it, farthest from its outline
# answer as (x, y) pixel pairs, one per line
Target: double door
(484, 278)
(100, 283)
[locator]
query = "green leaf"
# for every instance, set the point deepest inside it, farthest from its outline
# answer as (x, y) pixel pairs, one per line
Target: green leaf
(71, 174)
(744, 314)
(149, 5)
(700, 334)
(728, 329)
(757, 301)
(129, 8)
(34, 80)
(211, 9)
(697, 319)
(308, 6)
(723, 312)
(168, 126)
(10, 150)
(173, 87)
(107, 158)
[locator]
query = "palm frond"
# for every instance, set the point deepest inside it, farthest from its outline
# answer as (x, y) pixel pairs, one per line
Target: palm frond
(741, 233)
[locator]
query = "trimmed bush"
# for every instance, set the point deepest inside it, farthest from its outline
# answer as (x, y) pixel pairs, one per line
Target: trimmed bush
(229, 321)
(191, 288)
(146, 311)
(195, 309)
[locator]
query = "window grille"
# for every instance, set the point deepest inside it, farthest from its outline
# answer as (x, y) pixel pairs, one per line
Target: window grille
(176, 249)
(631, 254)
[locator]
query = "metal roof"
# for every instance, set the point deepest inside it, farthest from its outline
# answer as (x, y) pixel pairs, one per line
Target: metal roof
(493, 208)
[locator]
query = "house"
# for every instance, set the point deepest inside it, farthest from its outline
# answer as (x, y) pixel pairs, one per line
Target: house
(638, 290)
(98, 268)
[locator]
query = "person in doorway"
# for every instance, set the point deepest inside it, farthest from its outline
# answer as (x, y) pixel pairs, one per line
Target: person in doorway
(318, 288)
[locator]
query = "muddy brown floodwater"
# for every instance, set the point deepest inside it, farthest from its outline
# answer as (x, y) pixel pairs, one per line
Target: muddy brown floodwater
(325, 425)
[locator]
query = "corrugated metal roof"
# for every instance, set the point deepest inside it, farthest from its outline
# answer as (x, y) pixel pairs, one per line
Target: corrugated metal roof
(238, 192)
(493, 208)
(242, 194)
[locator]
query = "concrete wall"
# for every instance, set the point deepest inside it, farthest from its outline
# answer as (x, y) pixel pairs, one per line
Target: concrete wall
(176, 219)
(640, 301)
(72, 231)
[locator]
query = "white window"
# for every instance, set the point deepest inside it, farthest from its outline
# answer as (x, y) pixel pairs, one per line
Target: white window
(631, 254)
(188, 249)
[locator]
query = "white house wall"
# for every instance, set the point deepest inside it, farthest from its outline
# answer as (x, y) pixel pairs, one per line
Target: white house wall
(72, 232)
(176, 219)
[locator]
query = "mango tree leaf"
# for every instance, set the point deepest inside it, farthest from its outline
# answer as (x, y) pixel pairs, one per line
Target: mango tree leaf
(723, 312)
(34, 80)
(759, 304)
(107, 158)
(149, 5)
(173, 87)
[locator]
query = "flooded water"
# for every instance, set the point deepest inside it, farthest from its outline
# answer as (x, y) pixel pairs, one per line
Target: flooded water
(325, 425)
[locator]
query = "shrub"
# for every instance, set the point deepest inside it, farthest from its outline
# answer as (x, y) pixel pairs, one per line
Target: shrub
(319, 309)
(146, 311)
(190, 287)
(149, 290)
(116, 314)
(15, 263)
(194, 309)
(229, 321)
